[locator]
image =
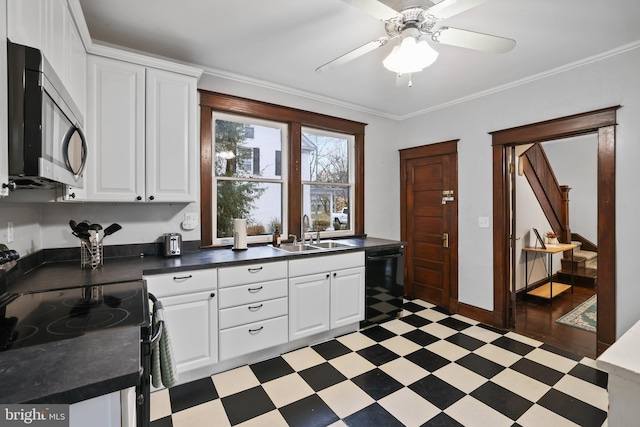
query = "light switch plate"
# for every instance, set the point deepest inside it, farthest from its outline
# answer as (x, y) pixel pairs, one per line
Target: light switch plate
(483, 222)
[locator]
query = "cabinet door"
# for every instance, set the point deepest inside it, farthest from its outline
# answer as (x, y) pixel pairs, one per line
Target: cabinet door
(115, 124)
(347, 297)
(4, 138)
(25, 20)
(171, 137)
(308, 305)
(192, 320)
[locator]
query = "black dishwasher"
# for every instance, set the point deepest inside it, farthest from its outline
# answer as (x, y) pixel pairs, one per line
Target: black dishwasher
(384, 282)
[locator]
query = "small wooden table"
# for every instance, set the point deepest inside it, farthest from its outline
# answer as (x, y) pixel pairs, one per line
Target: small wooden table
(548, 290)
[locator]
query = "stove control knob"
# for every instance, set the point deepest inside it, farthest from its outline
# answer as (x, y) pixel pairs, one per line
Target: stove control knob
(13, 254)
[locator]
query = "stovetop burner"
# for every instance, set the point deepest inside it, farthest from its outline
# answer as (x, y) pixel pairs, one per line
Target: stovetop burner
(37, 318)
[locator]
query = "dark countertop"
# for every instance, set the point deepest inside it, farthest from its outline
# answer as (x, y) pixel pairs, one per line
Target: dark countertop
(71, 370)
(60, 275)
(97, 363)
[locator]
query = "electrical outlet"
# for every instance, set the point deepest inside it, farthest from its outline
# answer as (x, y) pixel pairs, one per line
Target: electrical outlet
(190, 220)
(9, 232)
(483, 222)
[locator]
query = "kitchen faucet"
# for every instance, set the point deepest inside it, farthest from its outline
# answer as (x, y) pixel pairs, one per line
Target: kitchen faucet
(295, 238)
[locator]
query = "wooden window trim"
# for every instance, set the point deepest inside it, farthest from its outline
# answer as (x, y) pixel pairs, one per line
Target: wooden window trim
(296, 119)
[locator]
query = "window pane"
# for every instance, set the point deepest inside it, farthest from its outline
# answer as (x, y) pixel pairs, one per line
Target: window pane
(246, 151)
(259, 202)
(326, 207)
(325, 158)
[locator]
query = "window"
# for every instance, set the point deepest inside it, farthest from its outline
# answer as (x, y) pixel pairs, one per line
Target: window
(327, 180)
(278, 166)
(245, 187)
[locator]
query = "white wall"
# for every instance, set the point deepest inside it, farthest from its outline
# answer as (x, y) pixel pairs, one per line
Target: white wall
(575, 163)
(608, 82)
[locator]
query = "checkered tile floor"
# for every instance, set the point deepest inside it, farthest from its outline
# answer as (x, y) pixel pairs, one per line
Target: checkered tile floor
(426, 369)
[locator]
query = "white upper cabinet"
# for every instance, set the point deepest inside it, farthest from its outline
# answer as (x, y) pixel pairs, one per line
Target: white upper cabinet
(115, 130)
(171, 137)
(4, 138)
(25, 21)
(50, 26)
(142, 132)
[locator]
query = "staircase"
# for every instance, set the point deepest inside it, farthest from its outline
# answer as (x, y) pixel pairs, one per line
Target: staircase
(585, 267)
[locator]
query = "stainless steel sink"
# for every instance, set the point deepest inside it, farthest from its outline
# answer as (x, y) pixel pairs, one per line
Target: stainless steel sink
(329, 245)
(297, 248)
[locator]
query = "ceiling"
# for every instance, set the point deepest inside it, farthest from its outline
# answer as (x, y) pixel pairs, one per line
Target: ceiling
(280, 43)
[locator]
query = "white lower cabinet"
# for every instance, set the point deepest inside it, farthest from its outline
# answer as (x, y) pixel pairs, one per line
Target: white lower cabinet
(245, 339)
(309, 305)
(347, 297)
(192, 321)
(253, 308)
(190, 304)
(100, 411)
(331, 297)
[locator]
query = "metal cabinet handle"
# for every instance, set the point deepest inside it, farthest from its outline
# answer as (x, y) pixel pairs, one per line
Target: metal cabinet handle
(182, 277)
(255, 289)
(255, 307)
(254, 269)
(255, 331)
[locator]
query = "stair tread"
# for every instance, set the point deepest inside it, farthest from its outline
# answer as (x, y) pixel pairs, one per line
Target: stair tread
(580, 272)
(587, 255)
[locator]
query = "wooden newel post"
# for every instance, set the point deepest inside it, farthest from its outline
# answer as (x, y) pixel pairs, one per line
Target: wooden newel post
(565, 234)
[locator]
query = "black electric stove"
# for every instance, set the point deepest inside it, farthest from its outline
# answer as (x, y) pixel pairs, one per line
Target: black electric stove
(41, 317)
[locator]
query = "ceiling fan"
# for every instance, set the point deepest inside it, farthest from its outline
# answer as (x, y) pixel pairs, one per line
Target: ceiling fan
(414, 21)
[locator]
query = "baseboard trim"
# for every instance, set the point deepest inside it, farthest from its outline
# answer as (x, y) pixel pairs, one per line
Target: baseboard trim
(479, 314)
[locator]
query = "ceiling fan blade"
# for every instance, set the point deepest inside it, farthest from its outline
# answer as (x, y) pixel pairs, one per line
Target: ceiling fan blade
(373, 8)
(447, 8)
(359, 51)
(473, 40)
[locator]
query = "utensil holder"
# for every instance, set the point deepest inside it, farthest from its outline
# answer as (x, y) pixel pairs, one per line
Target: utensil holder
(91, 254)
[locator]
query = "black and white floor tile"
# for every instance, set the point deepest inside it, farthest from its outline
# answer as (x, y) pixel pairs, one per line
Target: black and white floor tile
(427, 368)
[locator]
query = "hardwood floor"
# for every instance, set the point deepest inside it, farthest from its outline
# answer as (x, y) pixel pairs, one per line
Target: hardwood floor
(536, 319)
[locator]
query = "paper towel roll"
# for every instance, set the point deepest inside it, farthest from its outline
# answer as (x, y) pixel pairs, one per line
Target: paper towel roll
(239, 234)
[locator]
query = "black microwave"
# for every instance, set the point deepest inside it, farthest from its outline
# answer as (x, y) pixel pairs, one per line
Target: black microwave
(46, 141)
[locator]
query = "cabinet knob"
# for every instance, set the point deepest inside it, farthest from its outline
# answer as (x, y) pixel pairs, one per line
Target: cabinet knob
(139, 198)
(151, 197)
(213, 294)
(335, 274)
(72, 195)
(328, 275)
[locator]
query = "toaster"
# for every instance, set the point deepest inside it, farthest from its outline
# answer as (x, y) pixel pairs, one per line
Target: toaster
(172, 244)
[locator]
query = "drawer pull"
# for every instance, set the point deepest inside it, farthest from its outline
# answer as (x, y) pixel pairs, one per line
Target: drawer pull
(182, 277)
(255, 307)
(255, 331)
(259, 288)
(255, 269)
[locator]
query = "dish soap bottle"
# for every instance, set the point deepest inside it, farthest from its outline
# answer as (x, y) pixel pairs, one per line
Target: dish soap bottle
(276, 239)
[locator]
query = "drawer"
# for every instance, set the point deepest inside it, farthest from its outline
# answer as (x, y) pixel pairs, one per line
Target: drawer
(249, 313)
(325, 264)
(253, 337)
(248, 294)
(252, 273)
(181, 282)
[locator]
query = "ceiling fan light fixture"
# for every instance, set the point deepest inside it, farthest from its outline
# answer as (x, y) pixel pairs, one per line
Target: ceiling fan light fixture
(410, 56)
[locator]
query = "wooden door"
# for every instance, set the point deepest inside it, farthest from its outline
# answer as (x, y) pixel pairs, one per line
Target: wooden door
(429, 222)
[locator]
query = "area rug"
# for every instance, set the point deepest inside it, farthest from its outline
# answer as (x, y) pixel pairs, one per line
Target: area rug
(583, 316)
